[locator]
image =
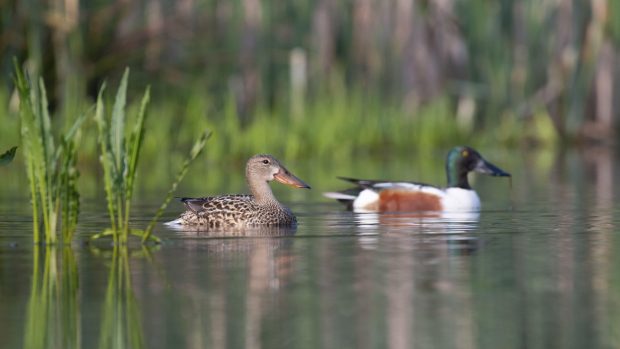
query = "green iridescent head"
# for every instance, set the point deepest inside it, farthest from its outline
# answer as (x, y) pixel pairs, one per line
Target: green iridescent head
(461, 160)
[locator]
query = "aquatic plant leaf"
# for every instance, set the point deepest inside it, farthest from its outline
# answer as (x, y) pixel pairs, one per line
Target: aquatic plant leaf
(51, 171)
(119, 157)
(33, 143)
(27, 128)
(135, 143)
(106, 156)
(8, 156)
(69, 196)
(117, 126)
(46, 132)
(77, 123)
(196, 150)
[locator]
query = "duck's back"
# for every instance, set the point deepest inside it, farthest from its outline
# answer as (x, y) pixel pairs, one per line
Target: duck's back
(233, 211)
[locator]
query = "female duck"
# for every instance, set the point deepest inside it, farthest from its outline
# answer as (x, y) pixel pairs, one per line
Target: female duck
(260, 208)
(386, 196)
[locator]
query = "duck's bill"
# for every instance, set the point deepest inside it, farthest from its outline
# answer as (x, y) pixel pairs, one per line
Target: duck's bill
(285, 177)
(490, 169)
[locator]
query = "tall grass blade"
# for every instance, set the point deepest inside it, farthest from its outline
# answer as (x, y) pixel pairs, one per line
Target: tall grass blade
(47, 167)
(133, 151)
(196, 150)
(117, 138)
(117, 125)
(46, 131)
(106, 158)
(77, 124)
(51, 171)
(119, 158)
(7, 156)
(29, 142)
(69, 196)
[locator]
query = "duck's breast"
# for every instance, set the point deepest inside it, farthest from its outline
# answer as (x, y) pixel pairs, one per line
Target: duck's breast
(458, 199)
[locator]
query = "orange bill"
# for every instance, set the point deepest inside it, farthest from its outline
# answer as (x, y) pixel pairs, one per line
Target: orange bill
(285, 177)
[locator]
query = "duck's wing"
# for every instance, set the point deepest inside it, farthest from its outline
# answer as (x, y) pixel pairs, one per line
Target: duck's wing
(211, 203)
(382, 184)
(369, 186)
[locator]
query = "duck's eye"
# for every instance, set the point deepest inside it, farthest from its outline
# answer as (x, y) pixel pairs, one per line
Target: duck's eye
(465, 153)
(265, 161)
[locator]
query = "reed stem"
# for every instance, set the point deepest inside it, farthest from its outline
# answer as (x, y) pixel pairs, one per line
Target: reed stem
(51, 170)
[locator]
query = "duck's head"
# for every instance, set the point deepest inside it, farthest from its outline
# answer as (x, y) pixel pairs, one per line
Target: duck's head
(266, 168)
(461, 160)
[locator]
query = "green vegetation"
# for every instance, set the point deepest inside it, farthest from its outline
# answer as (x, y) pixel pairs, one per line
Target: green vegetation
(51, 169)
(119, 159)
(335, 127)
(7, 156)
(413, 75)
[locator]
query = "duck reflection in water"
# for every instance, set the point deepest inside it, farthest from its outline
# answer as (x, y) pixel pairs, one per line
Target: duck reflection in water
(431, 230)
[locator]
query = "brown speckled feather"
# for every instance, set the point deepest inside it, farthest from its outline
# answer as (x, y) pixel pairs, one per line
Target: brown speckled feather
(234, 211)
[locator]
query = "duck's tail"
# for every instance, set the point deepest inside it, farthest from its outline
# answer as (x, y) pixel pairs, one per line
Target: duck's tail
(345, 197)
(339, 196)
(175, 222)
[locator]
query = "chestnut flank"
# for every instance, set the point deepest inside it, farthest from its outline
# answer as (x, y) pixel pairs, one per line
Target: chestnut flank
(403, 200)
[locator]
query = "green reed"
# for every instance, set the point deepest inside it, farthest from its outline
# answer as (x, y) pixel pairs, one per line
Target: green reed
(119, 158)
(50, 163)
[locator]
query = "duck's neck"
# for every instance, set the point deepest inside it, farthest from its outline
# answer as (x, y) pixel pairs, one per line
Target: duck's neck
(262, 192)
(457, 178)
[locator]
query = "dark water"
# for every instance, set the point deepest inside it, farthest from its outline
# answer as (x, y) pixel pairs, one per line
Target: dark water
(537, 269)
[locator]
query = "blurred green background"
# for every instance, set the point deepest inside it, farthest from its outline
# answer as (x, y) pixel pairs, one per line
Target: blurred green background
(324, 80)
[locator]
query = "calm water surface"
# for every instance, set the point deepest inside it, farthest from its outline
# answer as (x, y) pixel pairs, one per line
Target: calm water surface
(537, 269)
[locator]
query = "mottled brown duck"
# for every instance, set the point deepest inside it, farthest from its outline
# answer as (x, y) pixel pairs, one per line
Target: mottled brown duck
(261, 208)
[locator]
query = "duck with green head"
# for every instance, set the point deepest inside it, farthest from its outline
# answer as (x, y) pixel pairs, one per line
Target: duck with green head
(397, 196)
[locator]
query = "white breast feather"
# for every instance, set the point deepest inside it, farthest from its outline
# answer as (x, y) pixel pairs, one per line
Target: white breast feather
(458, 199)
(366, 198)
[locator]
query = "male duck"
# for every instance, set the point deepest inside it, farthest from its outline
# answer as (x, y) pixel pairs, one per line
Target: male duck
(260, 208)
(386, 196)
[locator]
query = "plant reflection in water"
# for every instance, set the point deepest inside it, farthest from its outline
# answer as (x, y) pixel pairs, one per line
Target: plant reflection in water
(53, 318)
(53, 314)
(121, 323)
